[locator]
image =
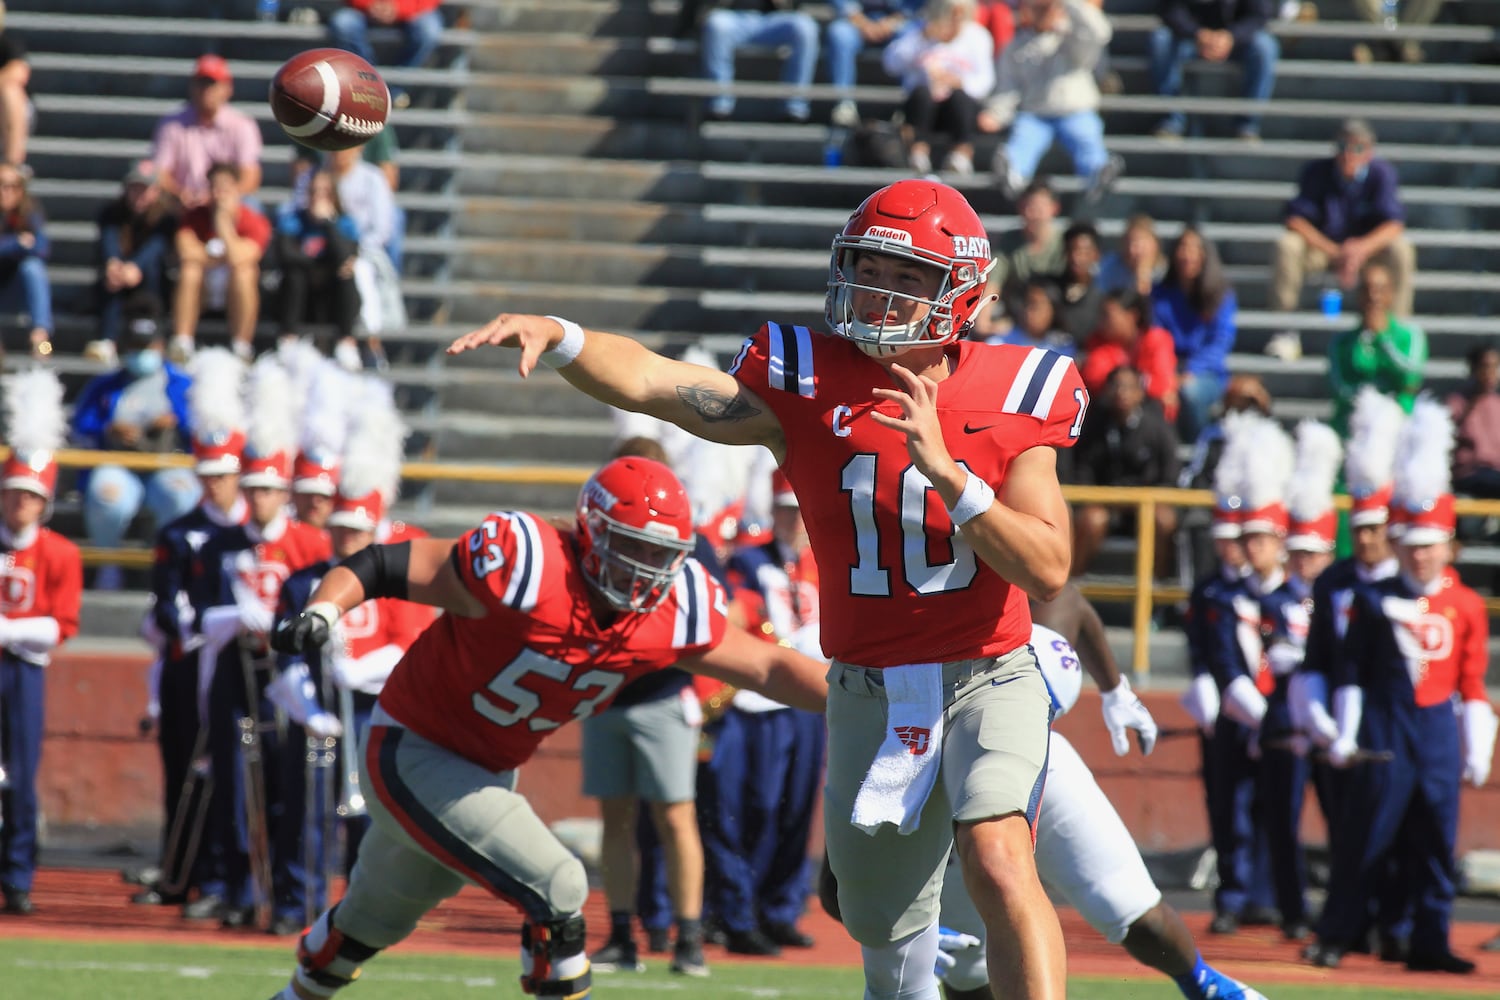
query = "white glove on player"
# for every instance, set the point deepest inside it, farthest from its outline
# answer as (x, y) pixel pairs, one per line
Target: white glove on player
(1123, 711)
(950, 941)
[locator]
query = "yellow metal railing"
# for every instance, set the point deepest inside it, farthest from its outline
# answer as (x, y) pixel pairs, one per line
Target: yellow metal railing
(1143, 592)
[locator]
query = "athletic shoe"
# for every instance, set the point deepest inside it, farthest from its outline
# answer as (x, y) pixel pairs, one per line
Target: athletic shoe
(687, 959)
(1443, 961)
(658, 940)
(788, 936)
(751, 943)
(617, 956)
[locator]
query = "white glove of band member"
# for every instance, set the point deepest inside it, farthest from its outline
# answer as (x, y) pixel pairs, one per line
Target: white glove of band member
(1244, 703)
(1201, 701)
(1348, 712)
(1307, 701)
(1284, 657)
(293, 692)
(1123, 711)
(1477, 725)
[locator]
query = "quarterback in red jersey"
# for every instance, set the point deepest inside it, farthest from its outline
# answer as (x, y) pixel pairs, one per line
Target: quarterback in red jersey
(927, 475)
(543, 627)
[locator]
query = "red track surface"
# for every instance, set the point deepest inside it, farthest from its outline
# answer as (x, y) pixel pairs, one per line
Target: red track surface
(94, 905)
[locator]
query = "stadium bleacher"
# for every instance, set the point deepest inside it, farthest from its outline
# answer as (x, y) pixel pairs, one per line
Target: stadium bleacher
(554, 160)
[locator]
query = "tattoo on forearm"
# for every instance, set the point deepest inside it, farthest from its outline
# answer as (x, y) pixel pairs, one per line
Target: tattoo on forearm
(715, 407)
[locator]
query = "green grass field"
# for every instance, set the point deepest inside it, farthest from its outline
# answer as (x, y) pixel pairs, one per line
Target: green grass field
(54, 970)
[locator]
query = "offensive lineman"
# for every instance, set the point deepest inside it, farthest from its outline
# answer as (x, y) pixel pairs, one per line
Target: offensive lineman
(543, 627)
(927, 475)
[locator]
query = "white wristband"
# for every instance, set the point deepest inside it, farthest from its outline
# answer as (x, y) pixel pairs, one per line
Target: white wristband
(976, 498)
(567, 349)
(326, 610)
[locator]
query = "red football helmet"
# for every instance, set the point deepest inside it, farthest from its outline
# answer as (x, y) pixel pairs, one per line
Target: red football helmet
(635, 530)
(921, 221)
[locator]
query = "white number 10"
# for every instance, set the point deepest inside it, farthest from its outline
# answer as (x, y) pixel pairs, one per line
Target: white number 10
(867, 578)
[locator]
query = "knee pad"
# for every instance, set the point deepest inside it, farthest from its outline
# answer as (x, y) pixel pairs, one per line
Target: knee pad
(903, 970)
(327, 958)
(552, 960)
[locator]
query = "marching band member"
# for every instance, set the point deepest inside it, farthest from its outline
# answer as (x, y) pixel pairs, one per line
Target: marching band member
(179, 593)
(246, 566)
(1416, 641)
(41, 589)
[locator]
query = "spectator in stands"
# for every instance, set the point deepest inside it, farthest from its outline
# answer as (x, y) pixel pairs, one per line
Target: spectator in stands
(1127, 335)
(419, 21)
(316, 247)
(1197, 306)
(24, 249)
(1079, 295)
(219, 249)
(1036, 320)
(15, 105)
(733, 24)
(1021, 254)
(1382, 351)
(135, 239)
(139, 407)
(1347, 212)
(1126, 441)
(1476, 421)
(205, 132)
(1410, 12)
(858, 24)
(365, 193)
(1045, 90)
(946, 65)
(1138, 263)
(998, 17)
(1217, 31)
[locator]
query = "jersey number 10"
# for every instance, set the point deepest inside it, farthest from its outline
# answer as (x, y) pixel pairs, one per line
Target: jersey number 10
(867, 578)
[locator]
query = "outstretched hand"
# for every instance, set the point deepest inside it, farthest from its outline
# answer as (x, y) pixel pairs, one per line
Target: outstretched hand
(917, 398)
(532, 335)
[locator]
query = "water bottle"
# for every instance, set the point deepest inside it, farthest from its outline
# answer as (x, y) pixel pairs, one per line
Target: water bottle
(1332, 300)
(833, 150)
(265, 10)
(1388, 9)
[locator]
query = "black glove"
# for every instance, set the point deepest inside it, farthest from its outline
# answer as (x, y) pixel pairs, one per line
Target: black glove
(308, 630)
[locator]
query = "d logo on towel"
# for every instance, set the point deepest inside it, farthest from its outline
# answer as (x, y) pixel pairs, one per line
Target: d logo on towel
(915, 738)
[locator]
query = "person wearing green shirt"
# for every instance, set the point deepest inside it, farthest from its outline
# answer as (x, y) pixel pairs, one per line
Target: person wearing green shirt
(1382, 351)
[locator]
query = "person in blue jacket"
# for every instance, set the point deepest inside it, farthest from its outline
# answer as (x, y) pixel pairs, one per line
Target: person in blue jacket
(1195, 303)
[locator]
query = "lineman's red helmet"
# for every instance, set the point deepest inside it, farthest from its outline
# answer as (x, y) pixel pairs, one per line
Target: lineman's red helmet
(635, 530)
(921, 221)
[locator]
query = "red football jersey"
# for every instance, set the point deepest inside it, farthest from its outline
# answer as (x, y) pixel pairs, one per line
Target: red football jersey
(490, 689)
(897, 582)
(45, 579)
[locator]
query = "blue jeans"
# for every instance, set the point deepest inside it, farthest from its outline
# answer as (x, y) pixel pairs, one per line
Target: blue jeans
(845, 43)
(1081, 133)
(727, 30)
(28, 289)
(1257, 61)
(1198, 394)
(114, 495)
(350, 29)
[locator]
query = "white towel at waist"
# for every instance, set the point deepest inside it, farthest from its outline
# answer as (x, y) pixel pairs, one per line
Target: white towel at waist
(905, 768)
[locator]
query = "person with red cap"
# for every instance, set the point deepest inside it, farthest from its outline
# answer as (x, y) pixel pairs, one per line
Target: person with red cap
(1410, 683)
(1369, 468)
(1223, 696)
(245, 567)
(324, 416)
(179, 592)
(347, 676)
(207, 130)
(41, 590)
(1313, 531)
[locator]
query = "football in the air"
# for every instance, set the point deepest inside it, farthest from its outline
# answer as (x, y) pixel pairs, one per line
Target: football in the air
(329, 99)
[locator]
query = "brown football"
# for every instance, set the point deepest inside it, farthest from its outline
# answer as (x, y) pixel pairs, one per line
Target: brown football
(329, 99)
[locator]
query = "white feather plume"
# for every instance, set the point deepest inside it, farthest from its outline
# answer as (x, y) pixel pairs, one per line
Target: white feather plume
(1319, 452)
(34, 418)
(214, 401)
(1374, 428)
(325, 409)
(377, 441)
(1268, 465)
(1424, 455)
(269, 404)
(1230, 472)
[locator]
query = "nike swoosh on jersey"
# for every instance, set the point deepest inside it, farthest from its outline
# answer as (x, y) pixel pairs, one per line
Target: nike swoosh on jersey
(976, 430)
